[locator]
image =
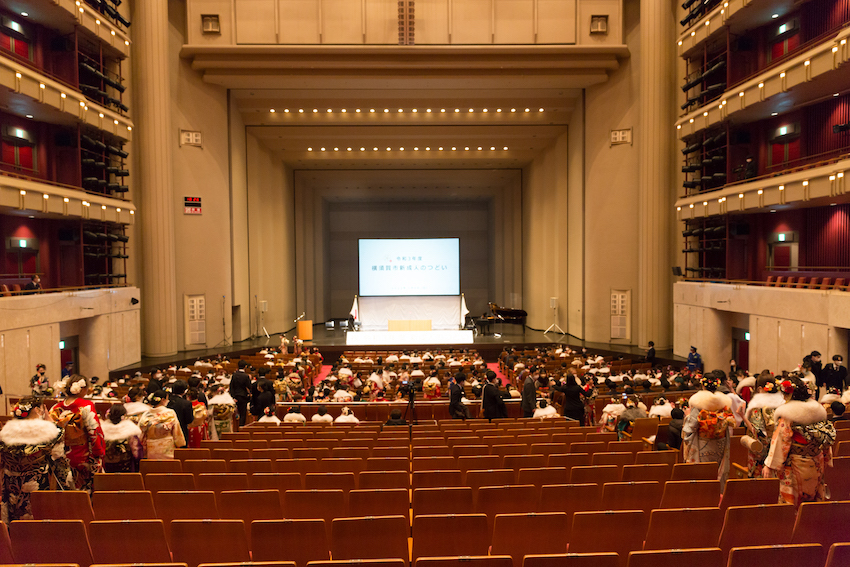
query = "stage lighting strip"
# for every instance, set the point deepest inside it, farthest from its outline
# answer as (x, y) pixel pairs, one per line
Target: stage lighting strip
(402, 111)
(401, 149)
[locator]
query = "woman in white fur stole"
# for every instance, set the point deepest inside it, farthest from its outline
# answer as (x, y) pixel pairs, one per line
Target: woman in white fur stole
(123, 440)
(760, 422)
(801, 447)
(706, 432)
(33, 450)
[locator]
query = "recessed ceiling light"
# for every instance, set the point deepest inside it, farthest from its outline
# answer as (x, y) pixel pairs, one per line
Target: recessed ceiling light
(29, 115)
(271, 110)
(336, 149)
(498, 110)
(513, 110)
(774, 113)
(301, 110)
(832, 204)
(371, 110)
(315, 110)
(415, 110)
(772, 210)
(836, 94)
(528, 110)
(539, 110)
(330, 110)
(386, 110)
(774, 16)
(505, 148)
(309, 149)
(401, 110)
(323, 149)
(442, 110)
(454, 148)
(25, 14)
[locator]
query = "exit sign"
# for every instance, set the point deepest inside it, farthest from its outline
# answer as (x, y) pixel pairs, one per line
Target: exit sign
(191, 205)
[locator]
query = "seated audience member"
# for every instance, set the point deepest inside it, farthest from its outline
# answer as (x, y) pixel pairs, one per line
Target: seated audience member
(34, 285)
(838, 412)
(674, 428)
(122, 441)
(322, 415)
(269, 416)
(545, 410)
(395, 418)
(294, 415)
(346, 417)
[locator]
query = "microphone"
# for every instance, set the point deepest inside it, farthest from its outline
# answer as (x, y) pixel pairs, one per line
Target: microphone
(300, 317)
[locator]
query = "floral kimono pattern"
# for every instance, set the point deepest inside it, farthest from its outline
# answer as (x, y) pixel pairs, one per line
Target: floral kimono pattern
(706, 438)
(161, 433)
(223, 408)
(32, 451)
(764, 423)
(123, 446)
(798, 456)
(199, 429)
(83, 439)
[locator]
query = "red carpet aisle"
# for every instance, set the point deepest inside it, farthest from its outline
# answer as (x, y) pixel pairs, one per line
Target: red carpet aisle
(494, 366)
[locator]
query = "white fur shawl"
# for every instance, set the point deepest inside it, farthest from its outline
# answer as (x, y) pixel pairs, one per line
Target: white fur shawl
(661, 411)
(614, 409)
(136, 408)
(803, 413)
(124, 429)
(828, 398)
(764, 400)
(28, 432)
(845, 397)
(711, 401)
(222, 399)
(750, 381)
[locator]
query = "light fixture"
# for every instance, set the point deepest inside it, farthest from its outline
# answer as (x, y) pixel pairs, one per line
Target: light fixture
(679, 208)
(46, 196)
(772, 210)
(23, 192)
(832, 204)
(740, 195)
(415, 148)
(492, 148)
(774, 113)
(691, 205)
(67, 200)
(401, 149)
(115, 122)
(336, 149)
(62, 95)
(330, 110)
(834, 48)
(782, 187)
(440, 148)
(400, 110)
(806, 63)
(454, 148)
(485, 110)
(25, 14)
(126, 42)
(513, 110)
(18, 75)
(386, 110)
(315, 110)
(457, 110)
(471, 110)
(129, 128)
(774, 16)
(705, 203)
(705, 113)
(741, 93)
(301, 110)
(836, 94)
(428, 111)
(747, 336)
(348, 149)
(103, 207)
(372, 110)
(344, 111)
(118, 210)
(415, 110)
(389, 149)
(678, 126)
(271, 110)
(680, 43)
(357, 111)
(442, 110)
(707, 22)
(466, 148)
(805, 183)
(362, 149)
(375, 149)
(427, 148)
(761, 85)
(692, 121)
(309, 149)
(782, 75)
(323, 149)
(505, 148)
(29, 116)
(760, 191)
(479, 148)
(41, 85)
(132, 212)
(100, 114)
(528, 110)
(840, 174)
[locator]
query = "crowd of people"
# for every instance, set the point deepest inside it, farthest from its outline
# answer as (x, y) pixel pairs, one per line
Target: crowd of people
(790, 431)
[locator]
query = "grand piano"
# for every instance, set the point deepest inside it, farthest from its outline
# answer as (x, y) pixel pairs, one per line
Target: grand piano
(500, 315)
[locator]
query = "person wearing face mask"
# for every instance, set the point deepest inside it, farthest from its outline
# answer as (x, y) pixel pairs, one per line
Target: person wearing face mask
(32, 450)
(39, 383)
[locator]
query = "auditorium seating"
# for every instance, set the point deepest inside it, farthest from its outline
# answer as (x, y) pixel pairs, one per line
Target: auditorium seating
(346, 507)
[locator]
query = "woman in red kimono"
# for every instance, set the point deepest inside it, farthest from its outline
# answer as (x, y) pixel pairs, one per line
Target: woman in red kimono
(77, 416)
(199, 429)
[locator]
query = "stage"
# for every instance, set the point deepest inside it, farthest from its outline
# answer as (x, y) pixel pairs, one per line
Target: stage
(333, 342)
(382, 338)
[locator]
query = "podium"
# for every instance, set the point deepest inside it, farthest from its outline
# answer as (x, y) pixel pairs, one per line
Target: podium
(304, 330)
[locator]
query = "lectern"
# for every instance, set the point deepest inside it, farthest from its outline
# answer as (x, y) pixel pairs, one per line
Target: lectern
(304, 330)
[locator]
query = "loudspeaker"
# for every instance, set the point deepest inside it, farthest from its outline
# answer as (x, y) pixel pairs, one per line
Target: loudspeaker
(677, 271)
(329, 325)
(553, 302)
(134, 301)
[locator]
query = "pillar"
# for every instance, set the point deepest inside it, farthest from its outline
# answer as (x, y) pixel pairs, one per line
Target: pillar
(153, 187)
(654, 137)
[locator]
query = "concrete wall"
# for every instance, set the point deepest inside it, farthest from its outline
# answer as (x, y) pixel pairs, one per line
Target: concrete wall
(544, 236)
(32, 325)
(202, 255)
(784, 324)
(271, 240)
(610, 192)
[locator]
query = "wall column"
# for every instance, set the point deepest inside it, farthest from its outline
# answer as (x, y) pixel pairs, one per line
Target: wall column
(154, 191)
(654, 138)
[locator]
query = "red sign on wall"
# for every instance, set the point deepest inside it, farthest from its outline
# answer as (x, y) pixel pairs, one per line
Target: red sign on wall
(191, 205)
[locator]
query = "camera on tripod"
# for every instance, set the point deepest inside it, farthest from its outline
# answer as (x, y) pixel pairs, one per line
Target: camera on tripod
(406, 391)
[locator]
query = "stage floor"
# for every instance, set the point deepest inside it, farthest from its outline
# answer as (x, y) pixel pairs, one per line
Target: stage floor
(332, 342)
(374, 338)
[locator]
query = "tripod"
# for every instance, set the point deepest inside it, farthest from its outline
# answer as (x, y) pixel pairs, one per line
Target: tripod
(554, 326)
(411, 409)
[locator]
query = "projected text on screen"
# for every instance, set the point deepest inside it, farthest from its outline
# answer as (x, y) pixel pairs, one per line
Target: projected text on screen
(410, 266)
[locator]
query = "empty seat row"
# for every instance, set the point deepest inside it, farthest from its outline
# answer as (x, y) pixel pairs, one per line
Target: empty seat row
(517, 535)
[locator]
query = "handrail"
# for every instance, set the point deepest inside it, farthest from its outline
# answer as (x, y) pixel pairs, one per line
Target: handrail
(66, 289)
(831, 286)
(62, 185)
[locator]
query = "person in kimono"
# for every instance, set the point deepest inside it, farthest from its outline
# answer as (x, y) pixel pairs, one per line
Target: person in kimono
(760, 423)
(346, 416)
(199, 429)
(706, 431)
(134, 403)
(222, 406)
(77, 416)
(161, 431)
(39, 383)
(122, 440)
(32, 451)
(269, 416)
(610, 415)
(801, 447)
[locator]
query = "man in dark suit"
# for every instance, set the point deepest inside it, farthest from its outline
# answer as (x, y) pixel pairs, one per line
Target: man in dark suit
(816, 365)
(834, 375)
(240, 390)
(181, 406)
(492, 404)
(529, 394)
(456, 407)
